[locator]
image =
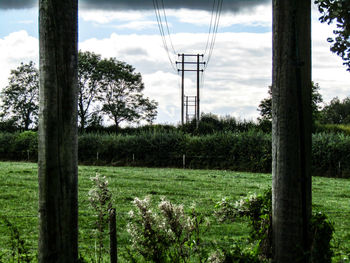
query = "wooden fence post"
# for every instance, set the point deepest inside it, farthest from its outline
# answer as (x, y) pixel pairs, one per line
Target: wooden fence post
(113, 251)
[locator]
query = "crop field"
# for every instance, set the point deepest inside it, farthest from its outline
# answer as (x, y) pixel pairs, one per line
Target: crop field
(19, 200)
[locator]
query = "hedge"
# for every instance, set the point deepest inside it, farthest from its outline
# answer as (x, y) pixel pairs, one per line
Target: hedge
(240, 151)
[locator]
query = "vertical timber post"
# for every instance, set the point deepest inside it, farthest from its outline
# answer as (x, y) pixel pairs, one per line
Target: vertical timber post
(197, 100)
(113, 250)
(291, 130)
(182, 87)
(57, 135)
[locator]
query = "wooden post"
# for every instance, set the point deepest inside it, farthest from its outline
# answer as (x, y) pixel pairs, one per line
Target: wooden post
(113, 250)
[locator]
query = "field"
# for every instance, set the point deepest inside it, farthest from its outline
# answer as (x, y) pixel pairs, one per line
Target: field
(19, 199)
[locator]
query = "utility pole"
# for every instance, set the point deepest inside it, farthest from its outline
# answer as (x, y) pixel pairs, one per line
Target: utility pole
(198, 63)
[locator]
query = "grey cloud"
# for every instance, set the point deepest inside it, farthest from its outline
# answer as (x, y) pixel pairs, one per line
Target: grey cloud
(18, 4)
(134, 52)
(232, 5)
(229, 5)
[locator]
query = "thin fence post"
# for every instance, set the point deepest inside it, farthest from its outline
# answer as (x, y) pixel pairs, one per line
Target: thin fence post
(183, 161)
(97, 156)
(113, 251)
(133, 158)
(27, 155)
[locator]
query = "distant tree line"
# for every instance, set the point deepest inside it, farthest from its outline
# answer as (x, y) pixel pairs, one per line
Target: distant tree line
(335, 112)
(108, 89)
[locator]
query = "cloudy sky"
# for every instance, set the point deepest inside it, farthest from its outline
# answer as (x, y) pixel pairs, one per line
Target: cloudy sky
(239, 71)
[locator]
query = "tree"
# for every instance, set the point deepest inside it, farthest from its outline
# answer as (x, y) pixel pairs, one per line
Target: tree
(291, 130)
(336, 112)
(58, 169)
(88, 75)
(265, 106)
(337, 11)
(20, 99)
(121, 93)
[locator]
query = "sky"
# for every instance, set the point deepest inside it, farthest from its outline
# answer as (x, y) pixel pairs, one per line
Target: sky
(236, 78)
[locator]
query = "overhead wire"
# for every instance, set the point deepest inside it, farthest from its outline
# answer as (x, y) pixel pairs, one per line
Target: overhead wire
(210, 27)
(161, 30)
(215, 30)
(167, 26)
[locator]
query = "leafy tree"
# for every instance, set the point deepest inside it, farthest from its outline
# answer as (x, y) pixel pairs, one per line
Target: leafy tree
(336, 112)
(88, 75)
(265, 106)
(337, 11)
(20, 98)
(121, 93)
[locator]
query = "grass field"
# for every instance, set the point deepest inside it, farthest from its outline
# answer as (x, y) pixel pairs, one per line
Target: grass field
(19, 198)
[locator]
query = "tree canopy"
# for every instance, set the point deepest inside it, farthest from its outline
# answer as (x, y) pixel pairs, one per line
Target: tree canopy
(265, 106)
(20, 101)
(336, 112)
(88, 76)
(107, 88)
(337, 11)
(121, 93)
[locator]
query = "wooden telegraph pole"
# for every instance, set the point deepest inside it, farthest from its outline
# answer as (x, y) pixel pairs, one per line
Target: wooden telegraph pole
(198, 69)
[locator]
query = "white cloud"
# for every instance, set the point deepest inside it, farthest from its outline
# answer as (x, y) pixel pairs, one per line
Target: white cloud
(138, 25)
(15, 48)
(105, 17)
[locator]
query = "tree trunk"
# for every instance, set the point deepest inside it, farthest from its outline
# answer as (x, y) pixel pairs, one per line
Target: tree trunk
(291, 129)
(58, 176)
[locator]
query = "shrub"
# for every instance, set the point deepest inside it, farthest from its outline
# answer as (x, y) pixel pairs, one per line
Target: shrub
(101, 201)
(258, 209)
(25, 146)
(6, 145)
(331, 153)
(165, 234)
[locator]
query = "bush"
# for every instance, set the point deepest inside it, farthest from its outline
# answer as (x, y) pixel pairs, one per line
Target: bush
(166, 233)
(245, 151)
(6, 145)
(258, 209)
(240, 151)
(331, 153)
(25, 146)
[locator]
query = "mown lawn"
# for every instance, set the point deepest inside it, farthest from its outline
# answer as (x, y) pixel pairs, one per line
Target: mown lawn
(19, 199)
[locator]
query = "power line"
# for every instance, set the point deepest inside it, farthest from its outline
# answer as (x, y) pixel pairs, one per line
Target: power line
(215, 30)
(210, 27)
(161, 30)
(167, 26)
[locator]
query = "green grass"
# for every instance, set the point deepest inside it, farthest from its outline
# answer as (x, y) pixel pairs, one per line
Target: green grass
(19, 198)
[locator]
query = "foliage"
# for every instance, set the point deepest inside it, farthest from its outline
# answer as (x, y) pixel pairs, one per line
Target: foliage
(331, 154)
(88, 76)
(19, 250)
(337, 11)
(167, 234)
(332, 128)
(258, 209)
(20, 99)
(101, 201)
(336, 112)
(265, 106)
(322, 230)
(211, 123)
(121, 93)
(240, 151)
(234, 254)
